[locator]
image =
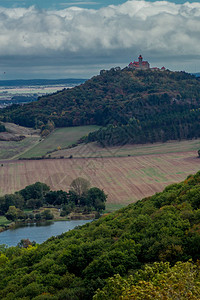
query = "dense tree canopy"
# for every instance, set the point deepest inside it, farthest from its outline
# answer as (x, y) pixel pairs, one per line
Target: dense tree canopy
(35, 191)
(163, 228)
(157, 281)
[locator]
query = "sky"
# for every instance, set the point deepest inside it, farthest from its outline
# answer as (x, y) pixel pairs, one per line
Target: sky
(77, 38)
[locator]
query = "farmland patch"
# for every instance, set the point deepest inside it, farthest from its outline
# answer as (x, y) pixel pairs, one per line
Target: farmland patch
(94, 150)
(123, 179)
(10, 149)
(59, 139)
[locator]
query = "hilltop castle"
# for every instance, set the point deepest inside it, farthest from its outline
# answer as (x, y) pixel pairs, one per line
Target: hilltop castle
(142, 65)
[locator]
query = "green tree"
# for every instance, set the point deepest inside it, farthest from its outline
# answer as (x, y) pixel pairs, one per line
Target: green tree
(56, 197)
(34, 203)
(35, 191)
(3, 259)
(158, 281)
(25, 243)
(38, 217)
(47, 215)
(96, 198)
(16, 200)
(13, 213)
(80, 186)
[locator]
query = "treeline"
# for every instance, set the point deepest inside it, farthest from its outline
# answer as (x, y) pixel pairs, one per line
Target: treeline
(81, 197)
(175, 126)
(139, 243)
(164, 104)
(2, 127)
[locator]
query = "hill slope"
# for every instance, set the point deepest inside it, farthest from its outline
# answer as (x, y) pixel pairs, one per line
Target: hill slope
(149, 169)
(164, 227)
(140, 106)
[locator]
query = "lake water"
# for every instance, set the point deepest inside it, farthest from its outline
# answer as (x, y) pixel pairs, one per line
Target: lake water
(38, 232)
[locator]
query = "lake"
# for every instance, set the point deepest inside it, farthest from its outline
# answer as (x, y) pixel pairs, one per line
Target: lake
(38, 232)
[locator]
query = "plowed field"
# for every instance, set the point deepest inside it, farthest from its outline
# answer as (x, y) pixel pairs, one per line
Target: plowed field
(124, 179)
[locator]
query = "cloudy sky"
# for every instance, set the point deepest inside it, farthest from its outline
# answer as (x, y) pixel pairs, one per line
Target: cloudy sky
(78, 38)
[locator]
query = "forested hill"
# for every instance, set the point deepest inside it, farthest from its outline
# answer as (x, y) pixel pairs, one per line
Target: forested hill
(164, 228)
(139, 106)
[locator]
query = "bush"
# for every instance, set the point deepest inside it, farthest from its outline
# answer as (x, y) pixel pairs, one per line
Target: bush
(38, 217)
(47, 215)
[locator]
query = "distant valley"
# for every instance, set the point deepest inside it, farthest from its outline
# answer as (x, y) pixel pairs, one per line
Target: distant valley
(24, 91)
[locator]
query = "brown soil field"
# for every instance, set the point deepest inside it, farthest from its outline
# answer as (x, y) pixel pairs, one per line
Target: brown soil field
(20, 130)
(13, 132)
(123, 179)
(94, 150)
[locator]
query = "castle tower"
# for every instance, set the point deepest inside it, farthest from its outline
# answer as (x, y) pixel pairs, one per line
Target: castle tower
(140, 64)
(140, 61)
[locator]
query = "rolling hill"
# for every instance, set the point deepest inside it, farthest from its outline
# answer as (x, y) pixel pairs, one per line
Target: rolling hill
(134, 106)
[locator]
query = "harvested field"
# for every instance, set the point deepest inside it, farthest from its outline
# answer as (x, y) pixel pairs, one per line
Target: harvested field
(20, 130)
(124, 179)
(94, 150)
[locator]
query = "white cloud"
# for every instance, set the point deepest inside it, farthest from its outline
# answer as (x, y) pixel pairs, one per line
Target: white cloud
(158, 29)
(78, 3)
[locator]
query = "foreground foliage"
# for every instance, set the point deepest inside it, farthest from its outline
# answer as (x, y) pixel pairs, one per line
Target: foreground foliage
(157, 281)
(164, 228)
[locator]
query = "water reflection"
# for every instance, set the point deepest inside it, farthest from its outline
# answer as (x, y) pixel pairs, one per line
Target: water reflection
(38, 232)
(38, 224)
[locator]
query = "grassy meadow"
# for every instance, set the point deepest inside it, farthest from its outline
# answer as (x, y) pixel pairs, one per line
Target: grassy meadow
(33, 146)
(4, 222)
(11, 149)
(58, 139)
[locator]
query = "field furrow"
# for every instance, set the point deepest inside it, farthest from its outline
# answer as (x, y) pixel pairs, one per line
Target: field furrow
(124, 179)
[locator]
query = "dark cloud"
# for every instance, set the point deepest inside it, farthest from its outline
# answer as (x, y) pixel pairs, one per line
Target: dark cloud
(75, 41)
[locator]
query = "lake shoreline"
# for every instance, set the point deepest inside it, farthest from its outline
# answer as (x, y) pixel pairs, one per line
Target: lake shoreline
(7, 227)
(39, 232)
(71, 217)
